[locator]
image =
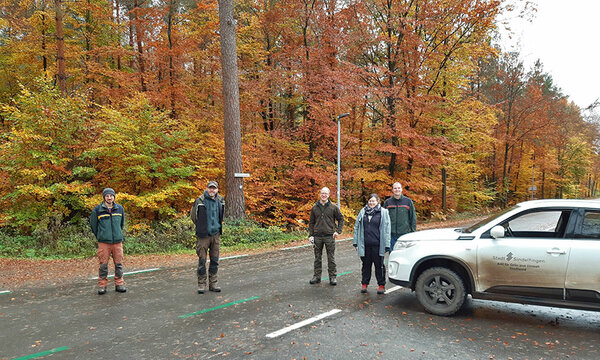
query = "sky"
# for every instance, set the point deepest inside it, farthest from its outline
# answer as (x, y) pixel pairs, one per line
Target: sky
(565, 36)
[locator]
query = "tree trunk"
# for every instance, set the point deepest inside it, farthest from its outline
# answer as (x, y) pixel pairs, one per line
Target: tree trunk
(138, 38)
(171, 13)
(231, 112)
(61, 76)
(444, 190)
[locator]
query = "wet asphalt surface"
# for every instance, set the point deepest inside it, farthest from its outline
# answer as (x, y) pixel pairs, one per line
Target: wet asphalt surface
(162, 317)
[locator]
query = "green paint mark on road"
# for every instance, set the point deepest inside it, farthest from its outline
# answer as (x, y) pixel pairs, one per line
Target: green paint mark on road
(43, 353)
(344, 273)
(217, 307)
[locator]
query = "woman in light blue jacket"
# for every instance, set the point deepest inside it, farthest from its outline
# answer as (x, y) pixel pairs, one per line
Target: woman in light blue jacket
(372, 241)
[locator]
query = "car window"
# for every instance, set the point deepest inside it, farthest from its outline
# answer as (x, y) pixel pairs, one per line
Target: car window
(537, 224)
(591, 225)
(479, 224)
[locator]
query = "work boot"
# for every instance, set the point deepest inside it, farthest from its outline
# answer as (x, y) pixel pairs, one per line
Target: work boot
(363, 289)
(332, 281)
(102, 290)
(314, 280)
(202, 284)
(381, 290)
(120, 288)
(212, 283)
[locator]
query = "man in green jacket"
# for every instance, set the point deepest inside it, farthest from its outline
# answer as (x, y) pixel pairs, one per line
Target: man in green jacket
(325, 225)
(402, 214)
(107, 221)
(207, 214)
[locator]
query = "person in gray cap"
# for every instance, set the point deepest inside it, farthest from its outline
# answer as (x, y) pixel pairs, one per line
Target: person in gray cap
(107, 221)
(207, 214)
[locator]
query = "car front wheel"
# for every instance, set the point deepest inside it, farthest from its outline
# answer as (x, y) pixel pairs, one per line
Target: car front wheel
(441, 291)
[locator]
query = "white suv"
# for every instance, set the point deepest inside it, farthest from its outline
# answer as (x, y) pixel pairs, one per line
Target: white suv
(544, 252)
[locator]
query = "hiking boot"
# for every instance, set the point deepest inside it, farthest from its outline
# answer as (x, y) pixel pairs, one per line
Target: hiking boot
(120, 288)
(332, 281)
(363, 289)
(201, 284)
(102, 290)
(214, 289)
(314, 280)
(381, 290)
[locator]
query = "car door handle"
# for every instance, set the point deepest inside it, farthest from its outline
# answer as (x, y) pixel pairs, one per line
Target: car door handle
(556, 251)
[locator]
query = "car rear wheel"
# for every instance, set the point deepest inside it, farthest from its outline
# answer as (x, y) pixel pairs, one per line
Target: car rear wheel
(441, 291)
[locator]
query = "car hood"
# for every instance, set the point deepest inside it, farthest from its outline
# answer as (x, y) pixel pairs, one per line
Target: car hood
(433, 234)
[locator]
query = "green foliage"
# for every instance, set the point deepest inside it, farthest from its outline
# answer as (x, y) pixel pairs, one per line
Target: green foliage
(69, 241)
(246, 231)
(76, 240)
(141, 153)
(160, 236)
(39, 158)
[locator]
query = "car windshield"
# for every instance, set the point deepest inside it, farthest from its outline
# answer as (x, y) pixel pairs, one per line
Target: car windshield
(479, 224)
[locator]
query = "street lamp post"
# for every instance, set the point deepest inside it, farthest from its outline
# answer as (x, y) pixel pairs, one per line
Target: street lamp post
(338, 154)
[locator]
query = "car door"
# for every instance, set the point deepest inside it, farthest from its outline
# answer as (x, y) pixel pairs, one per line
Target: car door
(583, 272)
(531, 259)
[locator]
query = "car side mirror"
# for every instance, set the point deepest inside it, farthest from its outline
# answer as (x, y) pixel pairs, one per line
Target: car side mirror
(497, 232)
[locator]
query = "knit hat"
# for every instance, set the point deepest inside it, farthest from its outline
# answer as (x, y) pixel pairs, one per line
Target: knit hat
(213, 183)
(108, 191)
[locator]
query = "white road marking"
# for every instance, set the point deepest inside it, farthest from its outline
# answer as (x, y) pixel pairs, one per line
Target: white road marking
(4, 292)
(307, 245)
(131, 273)
(233, 257)
(302, 323)
(296, 247)
(392, 289)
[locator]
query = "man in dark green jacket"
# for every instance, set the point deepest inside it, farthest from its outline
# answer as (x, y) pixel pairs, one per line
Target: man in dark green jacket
(402, 214)
(207, 215)
(107, 222)
(326, 223)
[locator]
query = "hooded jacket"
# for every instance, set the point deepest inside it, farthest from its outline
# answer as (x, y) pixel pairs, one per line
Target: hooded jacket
(199, 216)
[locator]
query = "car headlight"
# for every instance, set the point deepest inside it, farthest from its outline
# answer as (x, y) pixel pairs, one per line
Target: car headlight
(400, 245)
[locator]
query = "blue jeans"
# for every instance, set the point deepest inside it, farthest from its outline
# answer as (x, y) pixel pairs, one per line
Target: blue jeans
(393, 241)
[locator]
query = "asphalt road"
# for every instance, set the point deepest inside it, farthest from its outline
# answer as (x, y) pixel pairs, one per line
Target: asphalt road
(162, 317)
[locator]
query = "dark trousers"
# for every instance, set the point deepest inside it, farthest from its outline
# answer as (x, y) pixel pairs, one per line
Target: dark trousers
(208, 247)
(372, 258)
(393, 240)
(329, 243)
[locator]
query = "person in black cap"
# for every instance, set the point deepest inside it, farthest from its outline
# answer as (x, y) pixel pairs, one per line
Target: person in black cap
(207, 214)
(107, 221)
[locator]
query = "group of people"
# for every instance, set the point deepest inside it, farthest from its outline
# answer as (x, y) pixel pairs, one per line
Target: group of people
(108, 219)
(376, 230)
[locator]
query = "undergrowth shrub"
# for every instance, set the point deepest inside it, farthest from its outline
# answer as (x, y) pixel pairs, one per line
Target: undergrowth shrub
(76, 240)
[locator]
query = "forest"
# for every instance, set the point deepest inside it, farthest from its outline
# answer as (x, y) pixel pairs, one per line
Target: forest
(127, 94)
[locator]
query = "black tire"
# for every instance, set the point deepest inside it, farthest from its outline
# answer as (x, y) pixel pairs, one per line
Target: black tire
(441, 291)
